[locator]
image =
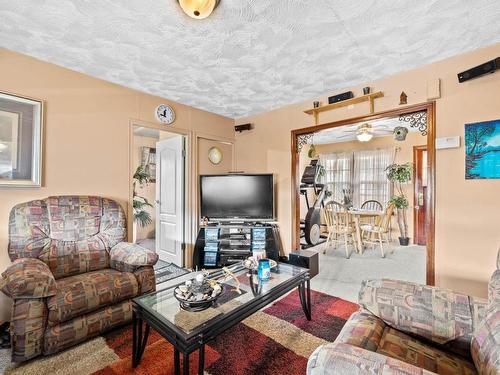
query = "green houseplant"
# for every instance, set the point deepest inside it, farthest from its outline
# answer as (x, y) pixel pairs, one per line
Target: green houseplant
(400, 174)
(139, 203)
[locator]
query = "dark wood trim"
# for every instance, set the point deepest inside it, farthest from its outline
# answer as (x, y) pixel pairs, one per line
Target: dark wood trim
(430, 107)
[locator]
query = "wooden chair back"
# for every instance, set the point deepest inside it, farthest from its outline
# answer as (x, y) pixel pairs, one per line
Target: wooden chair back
(372, 205)
(385, 220)
(336, 215)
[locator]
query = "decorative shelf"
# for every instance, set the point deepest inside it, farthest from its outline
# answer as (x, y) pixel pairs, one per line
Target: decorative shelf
(344, 103)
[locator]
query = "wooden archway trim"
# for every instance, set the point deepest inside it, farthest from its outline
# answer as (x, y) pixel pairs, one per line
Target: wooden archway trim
(430, 107)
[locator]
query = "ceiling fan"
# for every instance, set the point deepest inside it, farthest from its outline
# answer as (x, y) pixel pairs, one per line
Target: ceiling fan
(365, 132)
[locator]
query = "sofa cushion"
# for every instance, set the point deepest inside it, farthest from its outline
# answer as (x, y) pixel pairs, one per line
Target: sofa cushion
(398, 345)
(485, 346)
(68, 258)
(80, 294)
(362, 329)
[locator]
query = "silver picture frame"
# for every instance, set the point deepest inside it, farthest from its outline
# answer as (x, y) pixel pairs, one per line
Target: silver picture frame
(21, 139)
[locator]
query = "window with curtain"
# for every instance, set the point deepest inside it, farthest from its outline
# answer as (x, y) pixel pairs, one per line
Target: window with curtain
(370, 178)
(362, 172)
(338, 173)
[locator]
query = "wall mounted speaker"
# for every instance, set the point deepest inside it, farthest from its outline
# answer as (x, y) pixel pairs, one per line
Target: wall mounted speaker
(478, 71)
(242, 127)
(340, 97)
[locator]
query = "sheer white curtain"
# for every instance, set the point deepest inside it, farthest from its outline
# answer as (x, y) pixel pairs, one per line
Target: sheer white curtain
(338, 173)
(370, 178)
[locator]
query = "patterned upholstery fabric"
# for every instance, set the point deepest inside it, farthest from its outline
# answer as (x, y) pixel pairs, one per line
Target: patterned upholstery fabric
(72, 258)
(437, 314)
(27, 327)
(28, 278)
(72, 234)
(28, 230)
(146, 278)
(344, 359)
(485, 347)
(363, 330)
(127, 257)
(61, 248)
(494, 288)
(80, 294)
(396, 344)
(71, 332)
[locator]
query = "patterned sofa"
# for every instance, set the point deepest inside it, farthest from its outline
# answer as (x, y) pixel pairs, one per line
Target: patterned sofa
(72, 277)
(407, 328)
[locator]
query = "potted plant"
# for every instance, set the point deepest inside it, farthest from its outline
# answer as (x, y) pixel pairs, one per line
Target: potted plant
(400, 174)
(139, 203)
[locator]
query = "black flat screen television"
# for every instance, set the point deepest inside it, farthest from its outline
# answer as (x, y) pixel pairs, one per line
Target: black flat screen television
(237, 196)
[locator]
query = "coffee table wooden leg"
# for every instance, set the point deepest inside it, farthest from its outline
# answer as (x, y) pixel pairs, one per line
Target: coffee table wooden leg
(201, 359)
(177, 362)
(185, 364)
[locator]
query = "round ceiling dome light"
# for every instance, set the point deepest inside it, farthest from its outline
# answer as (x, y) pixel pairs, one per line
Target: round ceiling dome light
(198, 9)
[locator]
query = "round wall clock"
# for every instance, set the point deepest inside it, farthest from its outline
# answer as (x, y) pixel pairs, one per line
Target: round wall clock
(165, 114)
(215, 155)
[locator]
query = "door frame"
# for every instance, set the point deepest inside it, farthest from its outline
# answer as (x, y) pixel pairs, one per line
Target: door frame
(188, 177)
(415, 222)
(430, 108)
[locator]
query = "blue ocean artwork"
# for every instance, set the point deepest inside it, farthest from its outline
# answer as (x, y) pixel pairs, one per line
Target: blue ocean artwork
(482, 150)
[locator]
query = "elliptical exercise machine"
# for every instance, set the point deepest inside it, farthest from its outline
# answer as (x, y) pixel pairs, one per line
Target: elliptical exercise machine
(310, 227)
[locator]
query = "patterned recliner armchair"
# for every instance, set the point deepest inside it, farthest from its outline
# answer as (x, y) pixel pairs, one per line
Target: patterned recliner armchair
(407, 328)
(72, 277)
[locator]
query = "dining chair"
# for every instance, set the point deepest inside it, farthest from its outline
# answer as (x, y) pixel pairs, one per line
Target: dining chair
(339, 225)
(376, 232)
(372, 205)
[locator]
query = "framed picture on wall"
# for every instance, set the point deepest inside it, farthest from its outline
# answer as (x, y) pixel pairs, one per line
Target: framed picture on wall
(20, 141)
(482, 150)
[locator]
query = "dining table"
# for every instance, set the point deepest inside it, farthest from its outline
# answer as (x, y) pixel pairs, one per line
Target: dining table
(357, 214)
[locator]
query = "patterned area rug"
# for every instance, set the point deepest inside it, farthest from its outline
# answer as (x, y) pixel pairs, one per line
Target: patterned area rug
(276, 340)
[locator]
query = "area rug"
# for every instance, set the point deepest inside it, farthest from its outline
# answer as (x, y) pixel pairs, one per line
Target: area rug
(276, 340)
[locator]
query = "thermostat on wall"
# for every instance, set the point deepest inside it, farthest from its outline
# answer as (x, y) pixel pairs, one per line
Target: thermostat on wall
(447, 142)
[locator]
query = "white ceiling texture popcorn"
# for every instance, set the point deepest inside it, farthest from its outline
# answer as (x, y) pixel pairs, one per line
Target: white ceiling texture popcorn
(249, 56)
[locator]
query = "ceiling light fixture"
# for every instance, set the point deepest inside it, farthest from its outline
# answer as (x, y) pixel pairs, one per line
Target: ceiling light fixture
(364, 133)
(198, 9)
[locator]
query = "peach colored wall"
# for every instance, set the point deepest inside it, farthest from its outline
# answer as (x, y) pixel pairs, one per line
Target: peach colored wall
(467, 211)
(86, 134)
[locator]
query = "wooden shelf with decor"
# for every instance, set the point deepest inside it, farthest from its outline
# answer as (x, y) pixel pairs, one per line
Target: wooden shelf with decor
(344, 103)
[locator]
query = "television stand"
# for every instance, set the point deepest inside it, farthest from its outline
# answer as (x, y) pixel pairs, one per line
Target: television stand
(222, 244)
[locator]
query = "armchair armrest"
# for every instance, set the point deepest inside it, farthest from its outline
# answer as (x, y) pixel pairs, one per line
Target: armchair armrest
(128, 257)
(437, 314)
(345, 359)
(28, 278)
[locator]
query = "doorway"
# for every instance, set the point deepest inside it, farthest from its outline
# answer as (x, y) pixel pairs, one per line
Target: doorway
(420, 193)
(417, 119)
(158, 199)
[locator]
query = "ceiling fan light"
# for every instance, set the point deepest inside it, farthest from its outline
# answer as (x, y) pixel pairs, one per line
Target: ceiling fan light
(364, 136)
(198, 9)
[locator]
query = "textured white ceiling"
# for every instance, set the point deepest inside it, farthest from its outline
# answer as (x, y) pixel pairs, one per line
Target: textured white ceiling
(250, 55)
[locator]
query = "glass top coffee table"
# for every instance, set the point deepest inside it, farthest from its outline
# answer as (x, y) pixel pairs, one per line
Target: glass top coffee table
(189, 331)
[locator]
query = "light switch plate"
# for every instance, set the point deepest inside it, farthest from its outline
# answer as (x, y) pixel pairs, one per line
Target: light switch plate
(447, 142)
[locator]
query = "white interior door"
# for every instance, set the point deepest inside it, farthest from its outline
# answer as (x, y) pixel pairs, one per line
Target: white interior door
(170, 199)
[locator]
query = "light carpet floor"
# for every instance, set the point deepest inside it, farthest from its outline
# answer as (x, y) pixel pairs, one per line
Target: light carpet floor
(342, 277)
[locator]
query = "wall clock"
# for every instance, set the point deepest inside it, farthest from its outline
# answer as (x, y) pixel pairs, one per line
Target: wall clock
(165, 114)
(215, 155)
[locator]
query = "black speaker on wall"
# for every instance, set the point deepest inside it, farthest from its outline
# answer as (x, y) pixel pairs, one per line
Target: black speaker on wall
(478, 71)
(340, 97)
